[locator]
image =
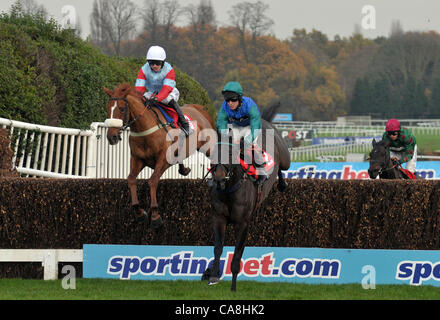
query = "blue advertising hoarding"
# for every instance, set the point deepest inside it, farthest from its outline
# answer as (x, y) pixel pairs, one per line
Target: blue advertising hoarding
(280, 117)
(350, 170)
(300, 265)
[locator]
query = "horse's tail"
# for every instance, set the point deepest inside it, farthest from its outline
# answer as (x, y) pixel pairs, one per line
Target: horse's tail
(269, 113)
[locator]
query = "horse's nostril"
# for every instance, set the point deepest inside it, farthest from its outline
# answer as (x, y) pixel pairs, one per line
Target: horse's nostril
(112, 139)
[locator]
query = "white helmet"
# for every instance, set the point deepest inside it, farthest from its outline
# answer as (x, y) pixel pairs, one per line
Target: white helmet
(156, 53)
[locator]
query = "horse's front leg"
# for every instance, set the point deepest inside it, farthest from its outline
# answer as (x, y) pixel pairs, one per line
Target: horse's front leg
(241, 230)
(159, 169)
(136, 165)
(219, 236)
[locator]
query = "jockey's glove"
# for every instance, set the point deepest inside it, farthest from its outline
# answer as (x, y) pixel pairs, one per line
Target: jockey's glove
(153, 99)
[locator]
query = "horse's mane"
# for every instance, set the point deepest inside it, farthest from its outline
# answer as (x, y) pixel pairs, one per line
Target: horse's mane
(125, 89)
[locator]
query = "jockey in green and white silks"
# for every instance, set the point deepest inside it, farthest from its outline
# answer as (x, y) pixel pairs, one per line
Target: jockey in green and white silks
(241, 115)
(403, 146)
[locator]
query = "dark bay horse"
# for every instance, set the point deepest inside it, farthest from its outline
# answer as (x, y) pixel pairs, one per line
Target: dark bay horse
(381, 164)
(235, 197)
(153, 143)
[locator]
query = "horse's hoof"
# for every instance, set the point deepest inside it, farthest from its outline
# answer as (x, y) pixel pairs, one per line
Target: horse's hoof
(140, 214)
(157, 223)
(205, 276)
(282, 185)
(185, 171)
(213, 281)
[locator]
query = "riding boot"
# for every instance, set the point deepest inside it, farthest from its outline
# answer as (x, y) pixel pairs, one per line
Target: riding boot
(182, 119)
(260, 166)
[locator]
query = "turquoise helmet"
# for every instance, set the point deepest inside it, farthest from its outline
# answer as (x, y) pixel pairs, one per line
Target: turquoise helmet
(233, 87)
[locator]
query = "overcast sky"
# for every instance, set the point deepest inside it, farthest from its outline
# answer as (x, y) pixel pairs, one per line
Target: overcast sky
(332, 17)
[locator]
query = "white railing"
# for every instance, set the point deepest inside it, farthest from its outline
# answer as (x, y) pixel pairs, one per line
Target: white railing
(44, 151)
(320, 130)
(318, 152)
(49, 258)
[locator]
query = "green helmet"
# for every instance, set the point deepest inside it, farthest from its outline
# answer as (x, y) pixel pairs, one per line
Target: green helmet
(233, 86)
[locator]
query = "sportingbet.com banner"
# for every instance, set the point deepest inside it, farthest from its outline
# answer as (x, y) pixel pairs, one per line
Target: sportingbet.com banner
(304, 265)
(350, 170)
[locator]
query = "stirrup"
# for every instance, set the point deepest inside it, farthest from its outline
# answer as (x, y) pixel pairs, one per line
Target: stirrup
(186, 129)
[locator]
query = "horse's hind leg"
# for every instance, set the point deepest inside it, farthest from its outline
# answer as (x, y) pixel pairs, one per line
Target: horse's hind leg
(241, 231)
(184, 171)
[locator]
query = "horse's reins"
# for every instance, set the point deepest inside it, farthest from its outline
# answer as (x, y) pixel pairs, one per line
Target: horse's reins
(128, 123)
(161, 125)
(381, 170)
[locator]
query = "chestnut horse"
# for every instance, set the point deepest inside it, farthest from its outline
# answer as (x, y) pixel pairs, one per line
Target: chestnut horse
(152, 140)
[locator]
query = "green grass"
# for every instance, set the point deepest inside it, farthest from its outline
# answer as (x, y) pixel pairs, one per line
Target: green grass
(428, 143)
(106, 289)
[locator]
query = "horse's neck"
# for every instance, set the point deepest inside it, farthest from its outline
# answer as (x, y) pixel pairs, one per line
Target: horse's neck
(146, 121)
(389, 171)
(236, 174)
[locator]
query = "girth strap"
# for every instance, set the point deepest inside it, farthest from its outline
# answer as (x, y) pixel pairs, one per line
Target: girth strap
(149, 131)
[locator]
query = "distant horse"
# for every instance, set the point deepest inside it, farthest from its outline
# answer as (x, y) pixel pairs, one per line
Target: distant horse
(235, 197)
(152, 138)
(382, 165)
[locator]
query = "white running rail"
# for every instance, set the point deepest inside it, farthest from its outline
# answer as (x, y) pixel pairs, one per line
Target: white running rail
(49, 258)
(44, 151)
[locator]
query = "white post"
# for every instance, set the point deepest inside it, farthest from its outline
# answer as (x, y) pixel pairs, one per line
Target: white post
(50, 264)
(91, 166)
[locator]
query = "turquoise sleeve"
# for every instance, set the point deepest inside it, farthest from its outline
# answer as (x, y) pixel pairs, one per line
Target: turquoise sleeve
(255, 121)
(222, 120)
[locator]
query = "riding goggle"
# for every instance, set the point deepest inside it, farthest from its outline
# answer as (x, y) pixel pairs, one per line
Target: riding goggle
(155, 62)
(393, 133)
(231, 99)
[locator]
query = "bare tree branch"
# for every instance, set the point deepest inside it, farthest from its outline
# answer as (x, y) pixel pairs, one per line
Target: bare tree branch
(112, 21)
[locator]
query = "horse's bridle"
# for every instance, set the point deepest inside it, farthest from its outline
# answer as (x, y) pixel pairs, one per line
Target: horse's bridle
(384, 168)
(220, 187)
(126, 114)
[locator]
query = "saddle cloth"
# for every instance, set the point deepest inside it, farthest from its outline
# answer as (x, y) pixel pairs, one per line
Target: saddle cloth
(171, 117)
(408, 173)
(251, 169)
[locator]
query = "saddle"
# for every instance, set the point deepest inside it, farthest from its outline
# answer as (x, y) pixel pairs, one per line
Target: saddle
(406, 173)
(171, 116)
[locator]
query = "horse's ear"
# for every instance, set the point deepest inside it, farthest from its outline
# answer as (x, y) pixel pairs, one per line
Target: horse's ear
(108, 91)
(374, 142)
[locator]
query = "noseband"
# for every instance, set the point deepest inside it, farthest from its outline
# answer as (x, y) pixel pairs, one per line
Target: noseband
(384, 167)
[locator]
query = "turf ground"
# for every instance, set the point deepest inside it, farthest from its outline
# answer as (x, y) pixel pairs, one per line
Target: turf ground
(106, 289)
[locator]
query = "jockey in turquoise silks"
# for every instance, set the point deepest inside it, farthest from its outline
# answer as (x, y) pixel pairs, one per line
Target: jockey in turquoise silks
(241, 115)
